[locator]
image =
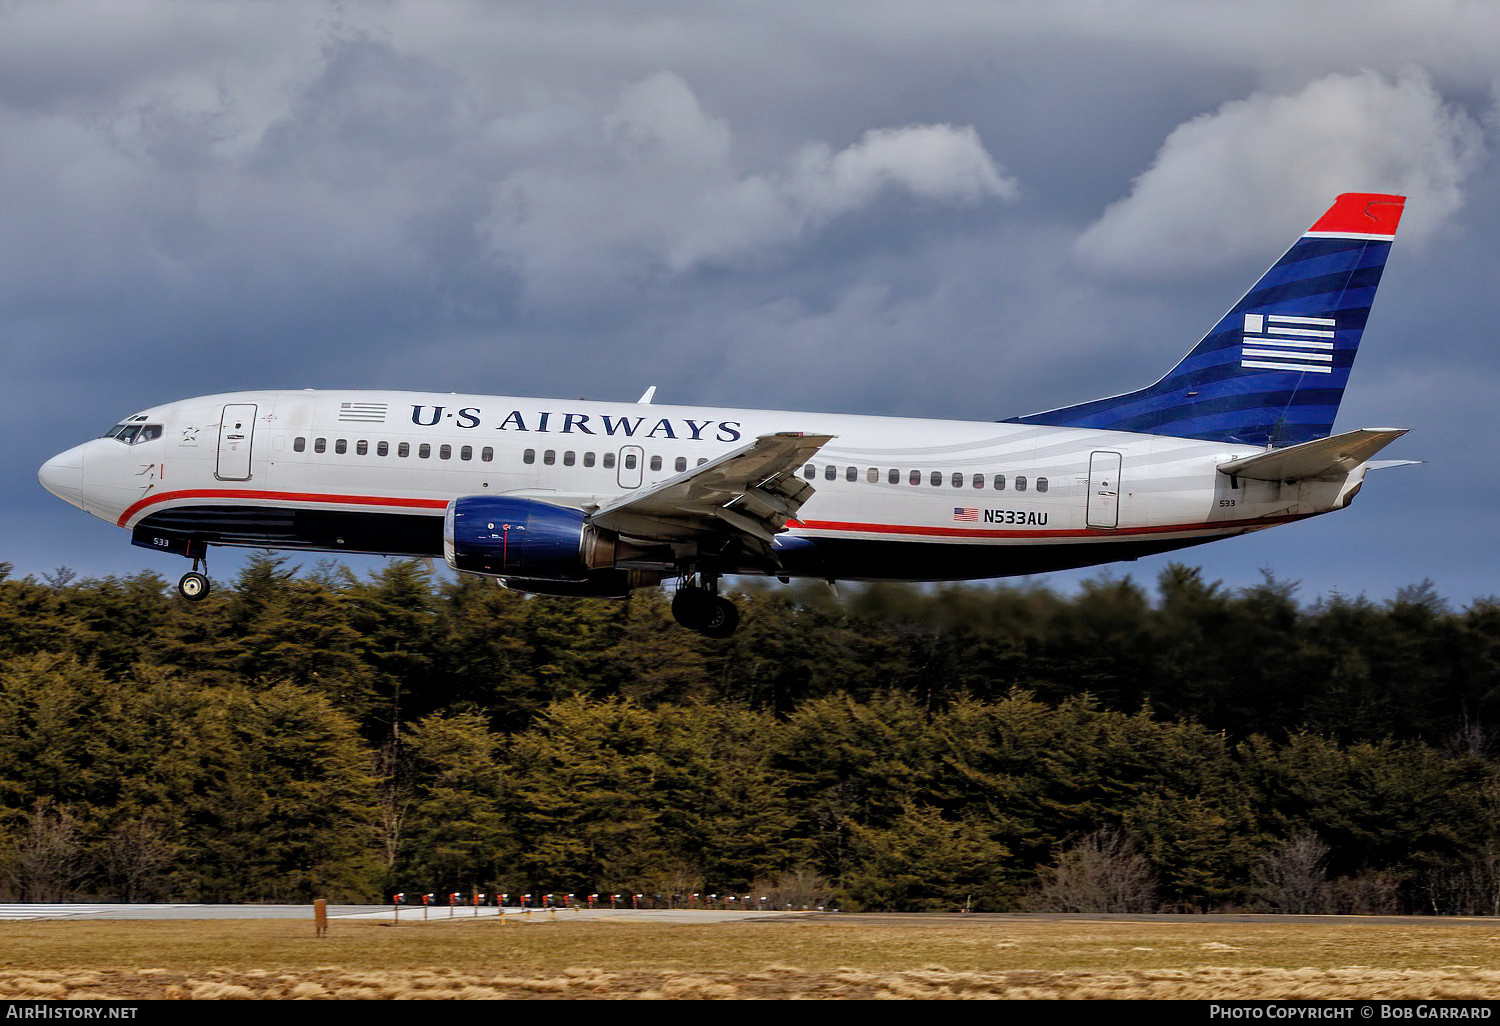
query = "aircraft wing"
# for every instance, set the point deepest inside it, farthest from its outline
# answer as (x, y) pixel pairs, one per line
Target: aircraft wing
(751, 492)
(1324, 457)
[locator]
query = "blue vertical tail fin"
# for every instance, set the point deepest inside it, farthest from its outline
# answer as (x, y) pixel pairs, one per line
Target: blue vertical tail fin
(1273, 370)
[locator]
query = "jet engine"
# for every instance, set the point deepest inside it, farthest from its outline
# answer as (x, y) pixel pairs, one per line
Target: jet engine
(503, 536)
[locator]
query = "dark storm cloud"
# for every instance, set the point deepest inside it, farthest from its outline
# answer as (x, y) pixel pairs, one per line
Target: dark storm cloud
(952, 209)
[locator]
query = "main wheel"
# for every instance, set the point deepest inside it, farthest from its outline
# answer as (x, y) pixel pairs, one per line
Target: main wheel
(691, 607)
(193, 586)
(704, 612)
(722, 619)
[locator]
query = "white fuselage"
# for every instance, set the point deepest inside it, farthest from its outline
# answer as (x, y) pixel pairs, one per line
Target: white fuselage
(944, 499)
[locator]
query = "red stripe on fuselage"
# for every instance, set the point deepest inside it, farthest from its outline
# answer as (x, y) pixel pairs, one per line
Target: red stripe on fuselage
(387, 502)
(319, 498)
(1089, 532)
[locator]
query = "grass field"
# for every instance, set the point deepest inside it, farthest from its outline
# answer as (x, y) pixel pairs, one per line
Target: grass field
(847, 957)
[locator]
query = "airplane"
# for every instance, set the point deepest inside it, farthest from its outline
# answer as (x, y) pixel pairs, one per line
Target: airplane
(595, 498)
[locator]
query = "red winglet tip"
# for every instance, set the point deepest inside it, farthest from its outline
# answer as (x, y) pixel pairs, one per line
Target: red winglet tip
(1362, 213)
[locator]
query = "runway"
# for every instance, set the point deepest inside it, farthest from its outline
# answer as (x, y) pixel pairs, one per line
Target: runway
(409, 914)
(439, 914)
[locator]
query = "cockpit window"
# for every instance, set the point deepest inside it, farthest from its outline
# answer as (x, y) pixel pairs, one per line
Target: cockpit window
(133, 432)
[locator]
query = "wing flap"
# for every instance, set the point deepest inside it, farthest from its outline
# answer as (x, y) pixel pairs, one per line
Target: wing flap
(752, 491)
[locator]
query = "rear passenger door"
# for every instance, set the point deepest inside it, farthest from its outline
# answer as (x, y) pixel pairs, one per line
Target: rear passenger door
(1104, 490)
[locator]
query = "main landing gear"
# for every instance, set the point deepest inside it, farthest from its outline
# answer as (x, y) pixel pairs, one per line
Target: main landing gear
(699, 607)
(194, 586)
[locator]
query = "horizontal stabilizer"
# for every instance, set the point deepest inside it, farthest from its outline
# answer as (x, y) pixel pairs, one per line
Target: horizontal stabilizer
(1325, 457)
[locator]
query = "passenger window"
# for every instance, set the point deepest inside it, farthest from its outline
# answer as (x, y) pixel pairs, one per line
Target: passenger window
(299, 445)
(978, 480)
(958, 480)
(403, 450)
(1041, 484)
(830, 473)
(894, 477)
(569, 458)
(1020, 483)
(999, 482)
(702, 460)
(320, 445)
(872, 475)
(588, 459)
(340, 446)
(466, 453)
(362, 448)
(916, 477)
(424, 451)
(487, 454)
(630, 461)
(382, 448)
(609, 461)
(529, 456)
(852, 474)
(809, 471)
(937, 478)
(656, 463)
(445, 452)
(681, 464)
(549, 457)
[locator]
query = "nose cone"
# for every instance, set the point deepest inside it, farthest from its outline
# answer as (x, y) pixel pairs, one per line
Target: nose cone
(62, 475)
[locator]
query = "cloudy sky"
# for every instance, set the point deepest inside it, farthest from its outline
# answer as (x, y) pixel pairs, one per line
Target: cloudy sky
(962, 208)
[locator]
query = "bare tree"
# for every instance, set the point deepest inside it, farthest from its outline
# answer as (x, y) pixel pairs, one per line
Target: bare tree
(796, 888)
(1293, 876)
(395, 801)
(136, 860)
(50, 862)
(1101, 873)
(1370, 893)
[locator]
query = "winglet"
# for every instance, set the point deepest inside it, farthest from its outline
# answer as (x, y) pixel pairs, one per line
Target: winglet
(647, 396)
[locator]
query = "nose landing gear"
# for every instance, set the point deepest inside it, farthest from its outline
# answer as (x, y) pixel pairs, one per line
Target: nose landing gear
(194, 586)
(699, 607)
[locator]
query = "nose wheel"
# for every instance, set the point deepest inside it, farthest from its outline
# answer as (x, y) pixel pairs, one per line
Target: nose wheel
(194, 586)
(700, 608)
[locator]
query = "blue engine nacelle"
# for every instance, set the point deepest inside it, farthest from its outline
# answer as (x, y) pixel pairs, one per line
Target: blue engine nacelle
(511, 537)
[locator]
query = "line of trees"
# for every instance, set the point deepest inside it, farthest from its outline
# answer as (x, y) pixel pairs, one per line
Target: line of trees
(306, 734)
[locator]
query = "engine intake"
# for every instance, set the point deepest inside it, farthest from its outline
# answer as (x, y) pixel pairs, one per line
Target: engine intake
(510, 537)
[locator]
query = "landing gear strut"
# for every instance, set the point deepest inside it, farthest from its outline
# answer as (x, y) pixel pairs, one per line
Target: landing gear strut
(699, 607)
(194, 586)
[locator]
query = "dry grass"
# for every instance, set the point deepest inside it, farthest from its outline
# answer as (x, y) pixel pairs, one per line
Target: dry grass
(1197, 958)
